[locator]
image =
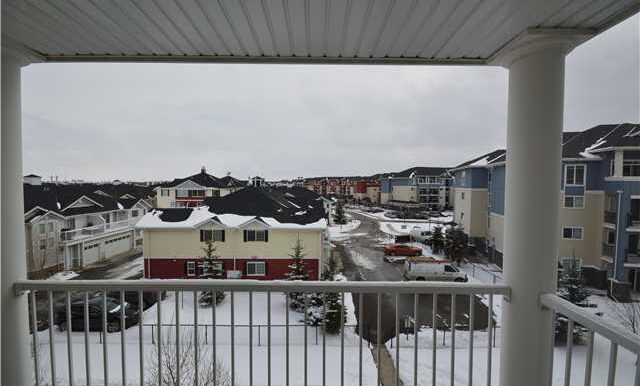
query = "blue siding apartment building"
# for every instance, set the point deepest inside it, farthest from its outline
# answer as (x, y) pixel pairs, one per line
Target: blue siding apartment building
(600, 205)
(427, 186)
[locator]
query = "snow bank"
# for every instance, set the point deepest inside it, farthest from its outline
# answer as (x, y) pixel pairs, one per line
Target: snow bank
(341, 232)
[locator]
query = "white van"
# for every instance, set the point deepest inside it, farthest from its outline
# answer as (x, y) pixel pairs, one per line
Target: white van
(423, 268)
(420, 234)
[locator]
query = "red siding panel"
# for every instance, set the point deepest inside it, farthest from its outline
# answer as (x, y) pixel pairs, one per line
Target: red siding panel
(276, 269)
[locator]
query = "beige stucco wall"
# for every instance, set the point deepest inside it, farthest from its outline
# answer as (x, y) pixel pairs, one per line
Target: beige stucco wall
(590, 219)
(186, 243)
(165, 201)
(404, 193)
(471, 212)
(373, 194)
(384, 198)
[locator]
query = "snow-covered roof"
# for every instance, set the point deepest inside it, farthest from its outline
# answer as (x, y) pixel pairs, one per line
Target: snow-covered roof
(201, 215)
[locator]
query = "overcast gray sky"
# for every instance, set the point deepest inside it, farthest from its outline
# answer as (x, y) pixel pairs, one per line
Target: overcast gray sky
(160, 121)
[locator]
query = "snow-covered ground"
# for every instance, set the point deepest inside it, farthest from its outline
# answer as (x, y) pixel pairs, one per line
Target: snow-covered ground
(343, 232)
(223, 336)
(64, 275)
(403, 228)
(383, 215)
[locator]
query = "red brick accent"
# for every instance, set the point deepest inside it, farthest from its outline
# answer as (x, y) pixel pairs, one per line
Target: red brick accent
(176, 268)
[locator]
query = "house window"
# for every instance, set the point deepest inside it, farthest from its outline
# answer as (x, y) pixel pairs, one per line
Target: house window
(462, 195)
(50, 242)
(191, 268)
(609, 237)
(433, 180)
(256, 268)
(573, 201)
(421, 180)
(43, 244)
(50, 227)
(196, 193)
(212, 235)
(252, 235)
(572, 233)
(41, 228)
(134, 213)
(164, 192)
(574, 175)
(631, 168)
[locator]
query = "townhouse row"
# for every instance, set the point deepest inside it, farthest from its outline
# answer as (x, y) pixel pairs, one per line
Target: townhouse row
(253, 231)
(71, 226)
(599, 206)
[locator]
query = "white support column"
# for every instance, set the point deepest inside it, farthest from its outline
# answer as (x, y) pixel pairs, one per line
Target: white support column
(534, 137)
(17, 363)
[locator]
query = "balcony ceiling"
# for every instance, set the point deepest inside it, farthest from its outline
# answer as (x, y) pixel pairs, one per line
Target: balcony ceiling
(360, 31)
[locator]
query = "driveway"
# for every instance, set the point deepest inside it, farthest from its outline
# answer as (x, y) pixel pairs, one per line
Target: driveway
(361, 257)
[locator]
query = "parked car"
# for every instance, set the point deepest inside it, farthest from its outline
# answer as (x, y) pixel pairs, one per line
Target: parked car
(95, 305)
(420, 235)
(402, 250)
(131, 297)
(394, 259)
(429, 269)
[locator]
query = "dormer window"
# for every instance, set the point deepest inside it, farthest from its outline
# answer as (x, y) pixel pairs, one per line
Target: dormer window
(256, 235)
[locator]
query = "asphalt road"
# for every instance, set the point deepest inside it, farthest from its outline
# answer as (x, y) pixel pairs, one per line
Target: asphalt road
(362, 259)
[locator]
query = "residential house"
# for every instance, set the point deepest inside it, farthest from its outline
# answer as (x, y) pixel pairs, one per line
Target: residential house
(427, 186)
(191, 191)
(253, 230)
(70, 226)
(368, 189)
(342, 187)
(599, 208)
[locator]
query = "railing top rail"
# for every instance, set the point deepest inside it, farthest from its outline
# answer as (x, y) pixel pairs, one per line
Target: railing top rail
(593, 322)
(151, 285)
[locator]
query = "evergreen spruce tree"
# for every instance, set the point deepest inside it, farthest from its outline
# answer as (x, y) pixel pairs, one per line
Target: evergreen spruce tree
(297, 271)
(338, 216)
(455, 244)
(333, 308)
(437, 240)
(214, 271)
(571, 288)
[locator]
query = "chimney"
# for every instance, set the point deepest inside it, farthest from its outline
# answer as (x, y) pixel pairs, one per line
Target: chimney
(203, 171)
(32, 179)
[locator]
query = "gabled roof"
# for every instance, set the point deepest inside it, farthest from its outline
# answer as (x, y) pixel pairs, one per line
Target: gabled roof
(484, 160)
(421, 171)
(202, 179)
(602, 138)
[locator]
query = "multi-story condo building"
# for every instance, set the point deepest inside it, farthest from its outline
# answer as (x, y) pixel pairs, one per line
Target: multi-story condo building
(599, 210)
(343, 187)
(368, 189)
(193, 190)
(70, 226)
(253, 230)
(428, 186)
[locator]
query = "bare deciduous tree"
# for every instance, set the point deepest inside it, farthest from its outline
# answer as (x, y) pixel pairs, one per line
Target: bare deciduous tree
(207, 372)
(629, 315)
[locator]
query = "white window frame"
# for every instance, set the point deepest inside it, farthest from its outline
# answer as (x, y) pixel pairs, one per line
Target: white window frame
(165, 192)
(191, 268)
(216, 235)
(584, 174)
(573, 197)
(573, 228)
(263, 264)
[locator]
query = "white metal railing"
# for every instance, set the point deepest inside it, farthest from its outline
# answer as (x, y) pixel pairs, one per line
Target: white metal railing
(452, 298)
(75, 234)
(618, 337)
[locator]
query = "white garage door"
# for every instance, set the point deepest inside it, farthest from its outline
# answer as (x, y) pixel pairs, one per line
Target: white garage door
(117, 245)
(90, 253)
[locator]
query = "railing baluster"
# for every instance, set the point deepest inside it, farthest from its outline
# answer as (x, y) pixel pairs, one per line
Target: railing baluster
(434, 324)
(233, 339)
(140, 334)
(636, 382)
(177, 305)
(213, 339)
(87, 362)
(159, 348)
(196, 347)
(69, 345)
(589, 360)
(105, 353)
(324, 342)
(472, 307)
(416, 300)
(34, 333)
(360, 329)
(123, 327)
(306, 305)
(286, 338)
(268, 338)
(379, 335)
(397, 370)
(52, 357)
(489, 339)
(613, 359)
(250, 338)
(341, 338)
(569, 354)
(453, 339)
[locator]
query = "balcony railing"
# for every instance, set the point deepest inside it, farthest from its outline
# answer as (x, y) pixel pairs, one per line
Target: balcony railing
(610, 217)
(608, 250)
(75, 234)
(278, 349)
(283, 357)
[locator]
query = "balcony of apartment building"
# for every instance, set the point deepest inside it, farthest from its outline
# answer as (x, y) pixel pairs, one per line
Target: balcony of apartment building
(528, 38)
